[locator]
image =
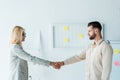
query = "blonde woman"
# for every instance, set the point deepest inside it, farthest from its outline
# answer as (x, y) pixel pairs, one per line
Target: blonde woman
(19, 57)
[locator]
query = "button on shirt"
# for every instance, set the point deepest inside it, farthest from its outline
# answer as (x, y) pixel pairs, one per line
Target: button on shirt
(98, 60)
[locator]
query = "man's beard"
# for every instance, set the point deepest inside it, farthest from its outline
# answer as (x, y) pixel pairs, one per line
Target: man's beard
(92, 37)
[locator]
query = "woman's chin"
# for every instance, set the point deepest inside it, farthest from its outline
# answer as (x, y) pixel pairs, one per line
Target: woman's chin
(23, 40)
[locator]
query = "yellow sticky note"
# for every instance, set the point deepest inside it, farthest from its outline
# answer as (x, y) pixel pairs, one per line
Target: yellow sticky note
(66, 40)
(80, 36)
(116, 51)
(66, 28)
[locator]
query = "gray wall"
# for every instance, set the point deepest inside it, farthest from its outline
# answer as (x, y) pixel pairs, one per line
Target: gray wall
(39, 15)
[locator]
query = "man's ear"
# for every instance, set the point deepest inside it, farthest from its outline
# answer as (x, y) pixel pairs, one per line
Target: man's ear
(96, 30)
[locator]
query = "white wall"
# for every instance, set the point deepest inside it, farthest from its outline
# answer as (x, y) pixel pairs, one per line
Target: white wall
(40, 15)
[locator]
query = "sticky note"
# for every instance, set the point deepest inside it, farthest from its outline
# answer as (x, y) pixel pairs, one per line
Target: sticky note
(116, 63)
(116, 51)
(66, 40)
(66, 28)
(80, 36)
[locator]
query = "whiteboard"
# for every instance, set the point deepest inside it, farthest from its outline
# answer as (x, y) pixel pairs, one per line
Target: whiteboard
(70, 36)
(116, 61)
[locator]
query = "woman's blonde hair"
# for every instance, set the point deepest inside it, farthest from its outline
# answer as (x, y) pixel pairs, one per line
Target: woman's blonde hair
(17, 35)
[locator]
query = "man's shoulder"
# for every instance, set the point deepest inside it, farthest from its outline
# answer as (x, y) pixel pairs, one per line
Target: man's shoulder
(106, 44)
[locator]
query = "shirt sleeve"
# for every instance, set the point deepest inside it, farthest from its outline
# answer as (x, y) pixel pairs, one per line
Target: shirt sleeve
(26, 56)
(75, 58)
(107, 54)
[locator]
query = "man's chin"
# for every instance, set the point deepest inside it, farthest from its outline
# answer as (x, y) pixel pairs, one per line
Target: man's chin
(91, 38)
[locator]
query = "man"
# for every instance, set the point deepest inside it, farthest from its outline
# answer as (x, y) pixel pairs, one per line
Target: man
(98, 55)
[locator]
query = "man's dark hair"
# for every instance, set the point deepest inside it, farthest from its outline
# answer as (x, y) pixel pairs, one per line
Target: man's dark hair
(95, 24)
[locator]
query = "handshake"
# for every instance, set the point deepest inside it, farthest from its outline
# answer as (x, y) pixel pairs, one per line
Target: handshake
(57, 65)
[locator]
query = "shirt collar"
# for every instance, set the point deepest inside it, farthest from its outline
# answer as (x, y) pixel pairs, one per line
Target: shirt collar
(99, 42)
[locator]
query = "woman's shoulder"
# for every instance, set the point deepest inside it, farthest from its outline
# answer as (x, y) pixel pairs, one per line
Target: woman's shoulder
(15, 46)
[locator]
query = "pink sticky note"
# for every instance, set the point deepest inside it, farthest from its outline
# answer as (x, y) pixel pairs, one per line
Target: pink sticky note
(116, 63)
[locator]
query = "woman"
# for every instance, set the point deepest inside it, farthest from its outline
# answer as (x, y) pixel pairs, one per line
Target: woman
(19, 58)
